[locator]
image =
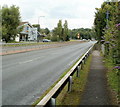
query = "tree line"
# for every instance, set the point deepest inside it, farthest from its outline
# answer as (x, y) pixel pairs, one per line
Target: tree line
(107, 29)
(84, 33)
(60, 33)
(11, 19)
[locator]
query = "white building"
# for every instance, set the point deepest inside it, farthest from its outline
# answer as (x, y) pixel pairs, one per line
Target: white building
(29, 33)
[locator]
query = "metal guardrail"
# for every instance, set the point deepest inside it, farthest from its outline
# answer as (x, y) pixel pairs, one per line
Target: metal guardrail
(50, 98)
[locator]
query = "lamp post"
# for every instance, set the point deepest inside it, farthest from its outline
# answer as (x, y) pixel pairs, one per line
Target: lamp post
(38, 38)
(39, 18)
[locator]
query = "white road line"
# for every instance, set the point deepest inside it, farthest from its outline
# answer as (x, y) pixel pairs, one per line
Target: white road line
(30, 60)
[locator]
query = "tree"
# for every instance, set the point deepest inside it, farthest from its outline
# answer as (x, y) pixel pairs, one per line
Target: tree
(59, 29)
(108, 27)
(54, 31)
(65, 31)
(61, 33)
(85, 33)
(46, 31)
(100, 21)
(10, 22)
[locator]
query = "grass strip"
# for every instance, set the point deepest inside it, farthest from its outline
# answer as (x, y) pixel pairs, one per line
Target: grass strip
(74, 97)
(113, 79)
(39, 43)
(26, 44)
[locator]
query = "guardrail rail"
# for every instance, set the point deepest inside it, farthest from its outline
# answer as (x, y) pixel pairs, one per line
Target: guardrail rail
(50, 98)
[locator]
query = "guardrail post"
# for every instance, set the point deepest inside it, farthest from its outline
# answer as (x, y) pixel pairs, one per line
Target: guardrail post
(70, 84)
(53, 102)
(78, 71)
(85, 59)
(82, 64)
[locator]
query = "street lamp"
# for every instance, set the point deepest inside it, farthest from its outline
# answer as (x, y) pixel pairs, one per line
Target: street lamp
(38, 38)
(39, 18)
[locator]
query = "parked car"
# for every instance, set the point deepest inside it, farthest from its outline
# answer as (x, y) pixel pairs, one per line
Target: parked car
(46, 40)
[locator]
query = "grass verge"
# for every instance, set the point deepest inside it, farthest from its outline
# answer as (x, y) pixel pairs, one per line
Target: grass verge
(74, 97)
(113, 77)
(26, 44)
(18, 44)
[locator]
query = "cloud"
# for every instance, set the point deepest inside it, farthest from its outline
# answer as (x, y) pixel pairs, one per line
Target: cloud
(78, 13)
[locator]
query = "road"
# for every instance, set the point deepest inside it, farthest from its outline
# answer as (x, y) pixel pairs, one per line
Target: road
(25, 76)
(9, 48)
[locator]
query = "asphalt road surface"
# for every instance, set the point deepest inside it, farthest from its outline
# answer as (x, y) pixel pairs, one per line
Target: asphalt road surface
(25, 76)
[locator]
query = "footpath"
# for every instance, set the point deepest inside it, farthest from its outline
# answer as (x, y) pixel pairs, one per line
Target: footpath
(96, 92)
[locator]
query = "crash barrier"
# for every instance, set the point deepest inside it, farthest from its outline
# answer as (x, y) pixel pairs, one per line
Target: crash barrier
(49, 99)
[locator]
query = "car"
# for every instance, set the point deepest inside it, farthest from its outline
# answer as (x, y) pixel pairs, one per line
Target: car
(46, 40)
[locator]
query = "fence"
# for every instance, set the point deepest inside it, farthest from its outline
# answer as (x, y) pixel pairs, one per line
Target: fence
(50, 98)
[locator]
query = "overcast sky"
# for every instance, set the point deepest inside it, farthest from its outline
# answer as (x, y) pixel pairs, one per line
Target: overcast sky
(78, 13)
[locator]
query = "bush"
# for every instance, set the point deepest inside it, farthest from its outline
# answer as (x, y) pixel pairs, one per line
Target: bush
(55, 38)
(48, 37)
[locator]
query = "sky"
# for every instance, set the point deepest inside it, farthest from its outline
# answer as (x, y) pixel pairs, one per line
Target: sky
(78, 13)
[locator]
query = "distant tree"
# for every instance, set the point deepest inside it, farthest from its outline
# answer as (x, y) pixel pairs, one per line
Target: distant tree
(85, 33)
(65, 31)
(59, 29)
(46, 31)
(10, 22)
(54, 31)
(61, 32)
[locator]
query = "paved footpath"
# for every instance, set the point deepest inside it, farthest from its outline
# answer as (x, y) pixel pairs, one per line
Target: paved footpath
(96, 89)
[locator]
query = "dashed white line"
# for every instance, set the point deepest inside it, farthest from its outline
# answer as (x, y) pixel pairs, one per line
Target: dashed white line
(30, 60)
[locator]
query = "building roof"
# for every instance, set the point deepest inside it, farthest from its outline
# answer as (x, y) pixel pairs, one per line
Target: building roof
(22, 23)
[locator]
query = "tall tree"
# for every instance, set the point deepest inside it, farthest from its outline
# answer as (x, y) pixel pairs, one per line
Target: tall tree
(111, 29)
(100, 21)
(59, 29)
(65, 31)
(10, 22)
(61, 33)
(46, 31)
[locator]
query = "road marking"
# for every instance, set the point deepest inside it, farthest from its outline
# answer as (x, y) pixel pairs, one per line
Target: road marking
(30, 60)
(25, 62)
